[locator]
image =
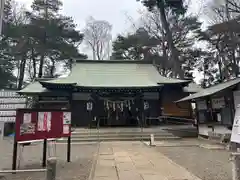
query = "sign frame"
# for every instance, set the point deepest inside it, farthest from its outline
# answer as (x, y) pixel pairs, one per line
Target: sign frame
(27, 117)
(48, 123)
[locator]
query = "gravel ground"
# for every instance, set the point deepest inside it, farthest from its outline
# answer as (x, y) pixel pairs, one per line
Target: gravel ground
(205, 163)
(78, 169)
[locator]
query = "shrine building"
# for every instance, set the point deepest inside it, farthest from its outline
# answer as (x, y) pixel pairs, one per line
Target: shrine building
(112, 93)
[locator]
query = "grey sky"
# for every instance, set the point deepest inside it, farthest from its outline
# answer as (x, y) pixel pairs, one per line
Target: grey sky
(114, 11)
(111, 10)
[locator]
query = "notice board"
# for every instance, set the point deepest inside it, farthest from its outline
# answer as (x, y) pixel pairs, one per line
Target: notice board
(42, 124)
(235, 136)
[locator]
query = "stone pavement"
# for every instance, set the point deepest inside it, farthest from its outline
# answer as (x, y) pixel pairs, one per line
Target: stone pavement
(136, 161)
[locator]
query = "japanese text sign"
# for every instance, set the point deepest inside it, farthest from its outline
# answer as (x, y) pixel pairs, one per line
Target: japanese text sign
(42, 124)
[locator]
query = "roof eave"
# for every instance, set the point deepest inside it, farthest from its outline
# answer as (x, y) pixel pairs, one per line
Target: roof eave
(123, 87)
(46, 84)
(174, 83)
(115, 61)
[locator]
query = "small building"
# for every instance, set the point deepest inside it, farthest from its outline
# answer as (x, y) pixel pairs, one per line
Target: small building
(113, 93)
(216, 107)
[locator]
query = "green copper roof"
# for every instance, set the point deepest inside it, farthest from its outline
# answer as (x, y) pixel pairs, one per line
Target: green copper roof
(36, 88)
(212, 90)
(88, 73)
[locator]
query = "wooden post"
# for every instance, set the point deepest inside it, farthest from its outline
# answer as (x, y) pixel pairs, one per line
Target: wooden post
(1, 130)
(235, 158)
(44, 157)
(51, 169)
(210, 107)
(69, 149)
(14, 157)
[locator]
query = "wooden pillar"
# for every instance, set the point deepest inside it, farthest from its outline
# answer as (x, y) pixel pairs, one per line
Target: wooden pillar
(209, 106)
(69, 138)
(233, 145)
(160, 102)
(140, 107)
(231, 105)
(95, 113)
(197, 116)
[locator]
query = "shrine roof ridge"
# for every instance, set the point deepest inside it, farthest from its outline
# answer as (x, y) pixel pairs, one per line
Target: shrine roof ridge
(114, 61)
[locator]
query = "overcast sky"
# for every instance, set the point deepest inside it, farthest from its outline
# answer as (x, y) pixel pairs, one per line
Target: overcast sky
(114, 11)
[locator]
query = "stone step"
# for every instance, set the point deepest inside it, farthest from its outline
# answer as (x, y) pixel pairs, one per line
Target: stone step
(120, 135)
(130, 132)
(90, 139)
(116, 131)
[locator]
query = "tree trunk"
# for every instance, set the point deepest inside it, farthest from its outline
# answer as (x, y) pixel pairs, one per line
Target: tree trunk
(34, 64)
(98, 51)
(21, 72)
(235, 65)
(40, 71)
(52, 68)
(220, 68)
(175, 54)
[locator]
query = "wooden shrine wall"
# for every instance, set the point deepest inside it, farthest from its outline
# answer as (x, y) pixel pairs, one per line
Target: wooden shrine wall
(82, 116)
(170, 108)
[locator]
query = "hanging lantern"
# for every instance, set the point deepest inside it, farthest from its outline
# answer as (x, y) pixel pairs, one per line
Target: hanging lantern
(114, 106)
(121, 106)
(126, 103)
(89, 106)
(145, 105)
(107, 105)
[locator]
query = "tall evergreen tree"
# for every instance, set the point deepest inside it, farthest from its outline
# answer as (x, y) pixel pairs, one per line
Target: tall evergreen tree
(55, 38)
(149, 43)
(6, 57)
(177, 8)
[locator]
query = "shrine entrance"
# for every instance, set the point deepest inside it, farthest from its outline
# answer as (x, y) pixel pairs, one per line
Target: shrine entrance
(118, 109)
(121, 112)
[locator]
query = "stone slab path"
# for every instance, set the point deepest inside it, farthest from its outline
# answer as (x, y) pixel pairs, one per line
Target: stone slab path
(136, 161)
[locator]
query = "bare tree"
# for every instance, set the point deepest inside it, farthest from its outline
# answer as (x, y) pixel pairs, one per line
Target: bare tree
(98, 37)
(223, 38)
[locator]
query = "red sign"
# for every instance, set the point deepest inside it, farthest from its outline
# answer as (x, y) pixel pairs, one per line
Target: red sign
(42, 124)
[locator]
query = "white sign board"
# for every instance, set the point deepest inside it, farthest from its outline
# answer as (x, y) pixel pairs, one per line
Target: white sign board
(11, 106)
(235, 136)
(236, 96)
(12, 100)
(9, 94)
(201, 105)
(9, 102)
(7, 119)
(7, 113)
(218, 103)
(67, 118)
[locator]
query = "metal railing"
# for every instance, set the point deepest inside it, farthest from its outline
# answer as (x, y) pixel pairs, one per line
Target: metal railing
(50, 170)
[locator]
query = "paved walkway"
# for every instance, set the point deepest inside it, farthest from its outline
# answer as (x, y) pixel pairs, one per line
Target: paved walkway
(136, 161)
